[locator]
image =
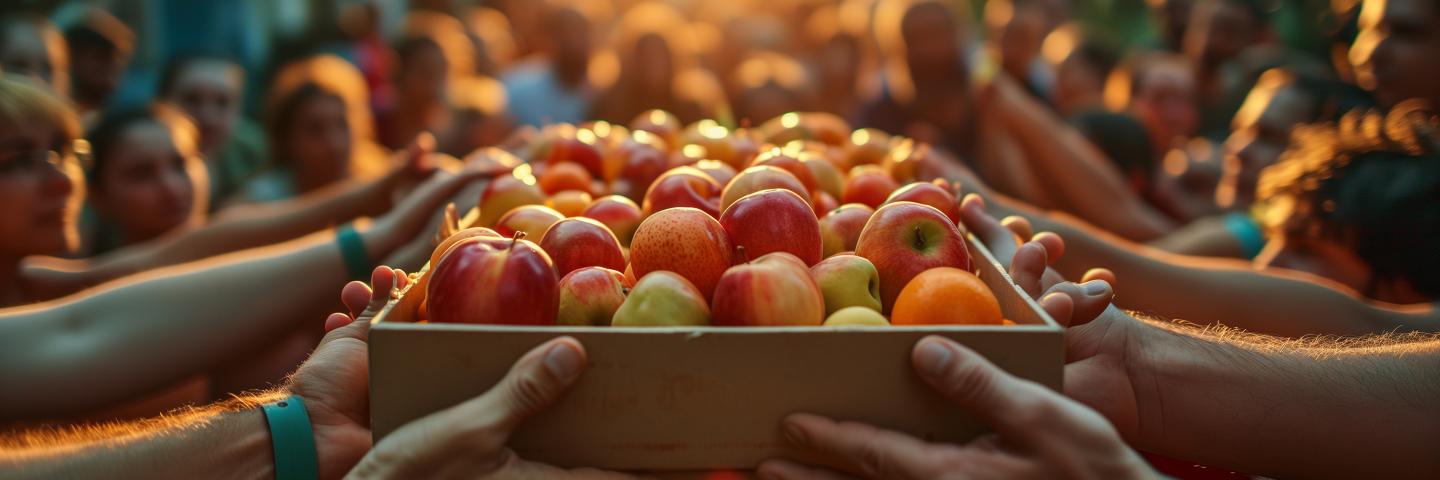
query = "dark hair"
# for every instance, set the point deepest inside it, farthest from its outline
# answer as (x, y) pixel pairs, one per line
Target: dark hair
(107, 133)
(178, 64)
(101, 31)
(407, 48)
(1120, 137)
(1372, 182)
(1100, 54)
(280, 120)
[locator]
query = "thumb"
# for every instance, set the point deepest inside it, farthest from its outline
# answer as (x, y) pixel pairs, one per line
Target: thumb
(1077, 304)
(998, 399)
(536, 381)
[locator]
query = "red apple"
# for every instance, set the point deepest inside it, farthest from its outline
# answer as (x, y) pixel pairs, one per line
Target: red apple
(773, 290)
(868, 184)
(507, 192)
(824, 203)
(450, 241)
(494, 281)
(687, 241)
(659, 123)
(774, 220)
(903, 239)
(621, 214)
(827, 178)
(590, 296)
(868, 146)
(565, 176)
(840, 229)
(578, 242)
(531, 219)
(778, 158)
(683, 187)
(720, 171)
(644, 163)
(929, 194)
(759, 178)
(580, 149)
(569, 202)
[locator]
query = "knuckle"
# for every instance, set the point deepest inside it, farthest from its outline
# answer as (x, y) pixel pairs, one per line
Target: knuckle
(528, 393)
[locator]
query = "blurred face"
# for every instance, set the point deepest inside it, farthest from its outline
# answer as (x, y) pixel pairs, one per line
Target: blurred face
(1218, 31)
(209, 91)
(1260, 134)
(25, 52)
(1395, 54)
(319, 142)
(930, 40)
(841, 61)
(153, 182)
(97, 73)
(41, 193)
(1078, 85)
(653, 62)
(1165, 102)
(426, 76)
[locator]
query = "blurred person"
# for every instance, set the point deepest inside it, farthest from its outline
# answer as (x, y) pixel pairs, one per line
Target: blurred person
(556, 87)
(768, 85)
(1220, 30)
(480, 116)
(494, 40)
(925, 91)
(210, 89)
(1081, 65)
(654, 72)
(1172, 20)
(146, 176)
(838, 35)
(100, 48)
(319, 128)
(1159, 89)
(1394, 53)
(31, 46)
(1017, 30)
(433, 51)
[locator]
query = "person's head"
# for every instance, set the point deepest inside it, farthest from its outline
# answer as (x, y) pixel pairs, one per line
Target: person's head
(1122, 139)
(208, 88)
(1081, 66)
(42, 186)
(147, 176)
(1159, 89)
(1395, 54)
(568, 42)
(649, 58)
(33, 47)
(1017, 29)
(434, 49)
(767, 85)
(1279, 102)
(481, 116)
(931, 37)
(494, 40)
(1359, 203)
(100, 48)
(315, 116)
(1220, 29)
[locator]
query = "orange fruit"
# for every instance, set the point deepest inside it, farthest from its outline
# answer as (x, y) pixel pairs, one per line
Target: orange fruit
(570, 203)
(946, 295)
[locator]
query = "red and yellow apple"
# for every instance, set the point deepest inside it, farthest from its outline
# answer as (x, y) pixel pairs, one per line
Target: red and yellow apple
(531, 219)
(565, 176)
(759, 178)
(778, 158)
(507, 192)
(773, 290)
(840, 229)
(684, 240)
(903, 239)
(930, 194)
(773, 220)
(868, 184)
(574, 243)
(621, 214)
(683, 187)
(569, 203)
(856, 317)
(590, 296)
(494, 281)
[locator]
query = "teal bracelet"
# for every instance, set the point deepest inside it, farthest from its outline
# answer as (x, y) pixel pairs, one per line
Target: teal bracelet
(292, 440)
(352, 251)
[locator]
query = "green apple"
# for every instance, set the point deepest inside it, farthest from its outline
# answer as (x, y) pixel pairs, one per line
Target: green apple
(663, 299)
(856, 316)
(848, 281)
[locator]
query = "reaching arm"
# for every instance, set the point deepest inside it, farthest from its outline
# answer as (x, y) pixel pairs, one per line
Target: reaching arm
(1302, 408)
(1075, 173)
(1002, 161)
(1207, 290)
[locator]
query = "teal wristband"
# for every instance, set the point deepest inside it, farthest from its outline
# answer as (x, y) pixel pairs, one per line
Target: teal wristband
(1247, 233)
(292, 440)
(352, 251)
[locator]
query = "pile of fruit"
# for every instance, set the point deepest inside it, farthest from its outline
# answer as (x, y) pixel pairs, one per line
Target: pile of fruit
(798, 222)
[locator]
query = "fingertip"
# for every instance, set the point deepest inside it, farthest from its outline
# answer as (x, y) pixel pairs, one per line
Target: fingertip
(1059, 306)
(1054, 245)
(337, 320)
(972, 201)
(356, 296)
(1098, 273)
(565, 359)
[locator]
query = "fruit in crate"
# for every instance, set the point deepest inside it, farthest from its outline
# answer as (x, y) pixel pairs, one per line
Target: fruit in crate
(456, 238)
(773, 290)
(868, 146)
(683, 240)
(591, 296)
(820, 126)
(569, 203)
(933, 194)
(718, 170)
(868, 184)
(827, 177)
(493, 280)
(856, 316)
(531, 219)
(777, 158)
(824, 203)
(565, 176)
(580, 149)
(903, 239)
(945, 295)
(658, 122)
(847, 281)
(774, 220)
(663, 299)
(840, 229)
(683, 187)
(507, 192)
(621, 214)
(759, 178)
(573, 243)
(644, 160)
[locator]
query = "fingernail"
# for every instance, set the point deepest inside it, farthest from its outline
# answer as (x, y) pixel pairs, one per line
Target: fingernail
(931, 359)
(792, 433)
(1095, 288)
(563, 361)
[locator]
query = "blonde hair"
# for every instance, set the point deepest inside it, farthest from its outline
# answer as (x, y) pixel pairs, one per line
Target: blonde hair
(23, 102)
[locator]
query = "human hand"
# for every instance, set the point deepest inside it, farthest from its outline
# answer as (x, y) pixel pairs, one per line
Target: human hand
(1037, 433)
(469, 439)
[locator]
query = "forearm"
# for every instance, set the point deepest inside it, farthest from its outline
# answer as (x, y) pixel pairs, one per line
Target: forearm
(231, 441)
(1291, 408)
(1003, 164)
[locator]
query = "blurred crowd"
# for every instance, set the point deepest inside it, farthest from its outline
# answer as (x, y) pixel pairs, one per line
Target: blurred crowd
(1286, 136)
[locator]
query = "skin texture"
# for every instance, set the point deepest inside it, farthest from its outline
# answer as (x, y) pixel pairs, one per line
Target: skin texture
(209, 91)
(906, 238)
(774, 220)
(686, 241)
(153, 182)
(494, 281)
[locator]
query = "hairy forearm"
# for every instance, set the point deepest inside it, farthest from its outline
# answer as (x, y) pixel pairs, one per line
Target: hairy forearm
(1291, 408)
(230, 440)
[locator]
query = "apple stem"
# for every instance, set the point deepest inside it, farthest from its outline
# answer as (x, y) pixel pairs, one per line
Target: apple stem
(519, 234)
(744, 257)
(919, 238)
